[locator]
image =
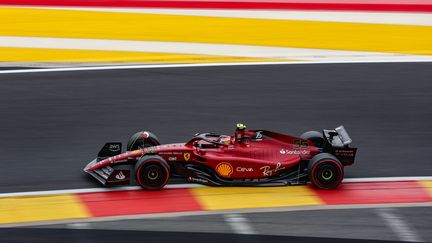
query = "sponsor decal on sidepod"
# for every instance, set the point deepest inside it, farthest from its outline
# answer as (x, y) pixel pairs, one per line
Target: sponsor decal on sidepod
(268, 171)
(224, 169)
(287, 151)
(243, 169)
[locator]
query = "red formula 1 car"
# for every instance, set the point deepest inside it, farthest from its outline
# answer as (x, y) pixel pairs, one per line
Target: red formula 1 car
(250, 157)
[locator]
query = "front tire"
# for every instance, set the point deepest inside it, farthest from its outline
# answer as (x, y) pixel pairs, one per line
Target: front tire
(325, 171)
(152, 172)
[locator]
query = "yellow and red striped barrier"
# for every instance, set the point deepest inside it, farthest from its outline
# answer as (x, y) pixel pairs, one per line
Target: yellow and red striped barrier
(338, 5)
(406, 39)
(301, 39)
(21, 209)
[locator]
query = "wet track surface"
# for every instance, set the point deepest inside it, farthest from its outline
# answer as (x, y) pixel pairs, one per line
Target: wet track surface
(52, 124)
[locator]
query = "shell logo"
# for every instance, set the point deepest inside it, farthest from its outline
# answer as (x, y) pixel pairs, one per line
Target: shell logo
(224, 169)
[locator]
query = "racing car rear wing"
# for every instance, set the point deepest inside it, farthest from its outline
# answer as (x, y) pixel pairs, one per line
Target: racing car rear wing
(336, 142)
(338, 137)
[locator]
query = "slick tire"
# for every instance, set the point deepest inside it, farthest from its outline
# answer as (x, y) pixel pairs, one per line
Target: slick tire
(152, 172)
(325, 171)
(315, 137)
(141, 140)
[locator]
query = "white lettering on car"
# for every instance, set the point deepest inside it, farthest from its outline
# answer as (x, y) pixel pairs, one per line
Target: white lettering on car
(242, 169)
(287, 151)
(268, 171)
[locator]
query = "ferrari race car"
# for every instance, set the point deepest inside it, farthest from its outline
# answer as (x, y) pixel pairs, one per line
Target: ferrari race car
(249, 158)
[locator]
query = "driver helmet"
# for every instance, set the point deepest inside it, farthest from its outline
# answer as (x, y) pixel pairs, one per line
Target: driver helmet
(240, 127)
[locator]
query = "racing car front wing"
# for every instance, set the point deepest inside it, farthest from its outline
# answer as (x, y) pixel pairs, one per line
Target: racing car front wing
(109, 176)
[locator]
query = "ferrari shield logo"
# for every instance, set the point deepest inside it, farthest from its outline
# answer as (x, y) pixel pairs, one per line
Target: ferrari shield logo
(186, 156)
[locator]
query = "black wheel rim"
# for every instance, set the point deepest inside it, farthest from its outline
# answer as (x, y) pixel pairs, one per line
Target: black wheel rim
(327, 174)
(153, 175)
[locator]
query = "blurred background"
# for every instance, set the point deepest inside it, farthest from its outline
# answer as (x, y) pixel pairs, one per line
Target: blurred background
(76, 74)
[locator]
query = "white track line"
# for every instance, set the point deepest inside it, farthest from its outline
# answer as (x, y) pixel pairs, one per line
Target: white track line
(227, 50)
(83, 225)
(385, 179)
(90, 190)
(398, 225)
(239, 224)
(46, 70)
(191, 185)
(419, 19)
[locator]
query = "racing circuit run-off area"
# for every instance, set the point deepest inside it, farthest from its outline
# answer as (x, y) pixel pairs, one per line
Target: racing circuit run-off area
(215, 121)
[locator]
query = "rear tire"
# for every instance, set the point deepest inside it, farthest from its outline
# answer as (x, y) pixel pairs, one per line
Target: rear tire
(325, 171)
(315, 137)
(141, 140)
(152, 172)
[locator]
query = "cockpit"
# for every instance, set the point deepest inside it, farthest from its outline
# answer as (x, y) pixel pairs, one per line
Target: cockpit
(212, 140)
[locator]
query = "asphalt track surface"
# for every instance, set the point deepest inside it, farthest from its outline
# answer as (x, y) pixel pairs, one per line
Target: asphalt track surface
(113, 236)
(52, 124)
(361, 224)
